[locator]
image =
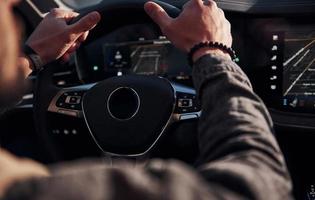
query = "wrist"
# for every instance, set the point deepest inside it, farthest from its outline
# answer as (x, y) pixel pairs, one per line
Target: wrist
(25, 64)
(35, 60)
(210, 47)
(213, 51)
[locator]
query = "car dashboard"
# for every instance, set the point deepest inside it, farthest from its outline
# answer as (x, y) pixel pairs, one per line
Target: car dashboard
(277, 54)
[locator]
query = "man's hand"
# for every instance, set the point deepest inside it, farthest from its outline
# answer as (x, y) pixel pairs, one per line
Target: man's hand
(200, 21)
(54, 38)
(14, 169)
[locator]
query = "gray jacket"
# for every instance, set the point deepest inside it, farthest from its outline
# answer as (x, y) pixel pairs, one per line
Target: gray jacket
(239, 156)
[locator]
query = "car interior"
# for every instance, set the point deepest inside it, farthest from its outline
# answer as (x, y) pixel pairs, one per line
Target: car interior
(78, 109)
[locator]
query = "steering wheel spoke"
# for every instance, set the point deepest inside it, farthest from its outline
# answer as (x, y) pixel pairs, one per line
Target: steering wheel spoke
(187, 106)
(138, 161)
(68, 101)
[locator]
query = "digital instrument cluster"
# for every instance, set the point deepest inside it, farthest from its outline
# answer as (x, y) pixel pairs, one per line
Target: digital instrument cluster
(133, 49)
(146, 57)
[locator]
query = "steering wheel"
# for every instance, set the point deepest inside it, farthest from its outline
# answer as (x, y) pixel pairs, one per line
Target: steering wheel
(125, 115)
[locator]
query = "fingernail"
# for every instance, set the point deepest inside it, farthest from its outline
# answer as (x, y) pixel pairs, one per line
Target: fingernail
(94, 16)
(148, 7)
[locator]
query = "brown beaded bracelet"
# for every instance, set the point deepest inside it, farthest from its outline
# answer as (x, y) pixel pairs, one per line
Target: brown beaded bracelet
(210, 44)
(36, 60)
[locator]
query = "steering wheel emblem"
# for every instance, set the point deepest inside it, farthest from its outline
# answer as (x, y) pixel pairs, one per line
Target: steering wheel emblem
(123, 103)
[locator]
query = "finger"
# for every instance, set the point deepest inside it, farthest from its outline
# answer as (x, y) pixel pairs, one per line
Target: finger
(65, 58)
(74, 47)
(158, 14)
(70, 51)
(5, 155)
(83, 37)
(221, 12)
(70, 16)
(61, 13)
(200, 2)
(213, 4)
(86, 23)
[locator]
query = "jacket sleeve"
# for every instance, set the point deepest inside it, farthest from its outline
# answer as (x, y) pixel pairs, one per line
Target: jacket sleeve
(239, 157)
(238, 151)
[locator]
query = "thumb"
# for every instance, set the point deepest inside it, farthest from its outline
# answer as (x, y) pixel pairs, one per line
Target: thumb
(86, 23)
(158, 14)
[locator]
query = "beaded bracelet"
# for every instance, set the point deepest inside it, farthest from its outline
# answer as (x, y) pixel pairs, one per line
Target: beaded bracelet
(36, 60)
(210, 44)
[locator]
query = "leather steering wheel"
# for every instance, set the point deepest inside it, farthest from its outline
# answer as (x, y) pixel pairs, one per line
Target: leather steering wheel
(125, 115)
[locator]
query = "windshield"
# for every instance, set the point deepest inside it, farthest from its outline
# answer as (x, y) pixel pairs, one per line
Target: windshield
(77, 4)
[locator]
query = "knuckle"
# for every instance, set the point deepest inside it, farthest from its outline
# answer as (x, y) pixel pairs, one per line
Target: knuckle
(221, 11)
(75, 13)
(227, 24)
(54, 11)
(199, 5)
(212, 4)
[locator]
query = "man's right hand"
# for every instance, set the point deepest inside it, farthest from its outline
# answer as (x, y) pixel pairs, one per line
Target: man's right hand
(199, 22)
(54, 38)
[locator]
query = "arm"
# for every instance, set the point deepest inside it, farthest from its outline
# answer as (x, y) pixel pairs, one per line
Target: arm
(52, 39)
(238, 152)
(14, 169)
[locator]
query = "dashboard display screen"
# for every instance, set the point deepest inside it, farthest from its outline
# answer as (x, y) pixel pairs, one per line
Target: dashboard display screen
(147, 57)
(299, 64)
(298, 87)
(283, 53)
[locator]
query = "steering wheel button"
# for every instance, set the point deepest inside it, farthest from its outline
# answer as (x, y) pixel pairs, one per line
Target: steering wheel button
(73, 99)
(188, 116)
(68, 112)
(185, 103)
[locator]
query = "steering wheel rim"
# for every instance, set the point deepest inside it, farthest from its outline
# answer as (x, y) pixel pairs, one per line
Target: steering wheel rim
(46, 94)
(111, 13)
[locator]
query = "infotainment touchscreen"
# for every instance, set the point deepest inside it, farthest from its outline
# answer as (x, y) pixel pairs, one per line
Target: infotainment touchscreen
(299, 64)
(299, 70)
(293, 68)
